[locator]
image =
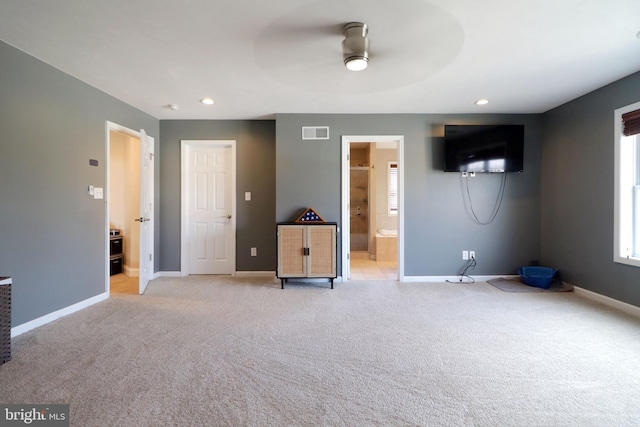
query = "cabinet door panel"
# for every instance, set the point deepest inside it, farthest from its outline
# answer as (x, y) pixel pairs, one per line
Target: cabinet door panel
(291, 259)
(322, 251)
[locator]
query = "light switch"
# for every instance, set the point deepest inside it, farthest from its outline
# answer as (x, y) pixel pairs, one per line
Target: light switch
(91, 190)
(247, 195)
(98, 193)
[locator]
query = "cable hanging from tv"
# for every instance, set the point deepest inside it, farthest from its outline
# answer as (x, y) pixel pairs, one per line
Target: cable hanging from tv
(468, 204)
(471, 264)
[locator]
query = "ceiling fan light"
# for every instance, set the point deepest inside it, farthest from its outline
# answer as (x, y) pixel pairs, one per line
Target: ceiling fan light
(356, 64)
(355, 46)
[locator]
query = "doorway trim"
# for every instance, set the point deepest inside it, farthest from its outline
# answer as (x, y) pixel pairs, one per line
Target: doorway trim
(184, 194)
(346, 144)
(114, 127)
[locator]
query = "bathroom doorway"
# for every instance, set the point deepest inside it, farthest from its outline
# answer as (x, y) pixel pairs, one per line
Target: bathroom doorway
(372, 212)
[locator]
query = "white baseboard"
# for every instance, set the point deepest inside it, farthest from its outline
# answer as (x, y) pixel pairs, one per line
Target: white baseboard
(439, 279)
(166, 274)
(613, 303)
(131, 272)
(32, 324)
(255, 274)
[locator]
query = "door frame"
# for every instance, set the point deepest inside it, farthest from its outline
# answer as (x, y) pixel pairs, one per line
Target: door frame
(109, 127)
(184, 196)
(346, 167)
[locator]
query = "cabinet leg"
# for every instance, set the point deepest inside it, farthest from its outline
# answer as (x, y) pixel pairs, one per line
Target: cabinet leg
(281, 283)
(331, 283)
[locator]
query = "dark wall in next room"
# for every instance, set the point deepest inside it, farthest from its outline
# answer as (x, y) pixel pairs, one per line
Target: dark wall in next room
(255, 160)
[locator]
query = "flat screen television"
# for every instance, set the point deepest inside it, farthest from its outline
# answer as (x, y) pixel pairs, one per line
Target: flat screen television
(483, 148)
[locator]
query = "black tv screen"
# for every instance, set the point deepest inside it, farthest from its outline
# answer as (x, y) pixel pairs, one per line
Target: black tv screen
(483, 148)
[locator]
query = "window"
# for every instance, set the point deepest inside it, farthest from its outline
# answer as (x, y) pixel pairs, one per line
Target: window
(392, 187)
(627, 185)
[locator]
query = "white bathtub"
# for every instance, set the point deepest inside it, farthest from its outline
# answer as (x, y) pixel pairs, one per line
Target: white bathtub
(387, 245)
(386, 233)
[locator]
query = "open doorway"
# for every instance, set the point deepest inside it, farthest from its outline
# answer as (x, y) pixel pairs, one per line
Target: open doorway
(372, 208)
(124, 208)
(129, 223)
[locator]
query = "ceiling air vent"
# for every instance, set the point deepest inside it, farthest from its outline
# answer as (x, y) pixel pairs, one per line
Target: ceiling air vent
(315, 132)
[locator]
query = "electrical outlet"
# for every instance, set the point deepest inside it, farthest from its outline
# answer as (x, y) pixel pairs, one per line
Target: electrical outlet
(472, 254)
(465, 255)
(464, 174)
(254, 251)
(472, 174)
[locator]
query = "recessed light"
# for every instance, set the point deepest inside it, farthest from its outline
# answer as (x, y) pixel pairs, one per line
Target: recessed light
(482, 102)
(174, 107)
(207, 101)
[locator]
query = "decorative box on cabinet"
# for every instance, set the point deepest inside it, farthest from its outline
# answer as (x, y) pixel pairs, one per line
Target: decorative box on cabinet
(306, 251)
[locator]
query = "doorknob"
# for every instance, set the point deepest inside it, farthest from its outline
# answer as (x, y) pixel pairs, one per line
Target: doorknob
(228, 216)
(142, 219)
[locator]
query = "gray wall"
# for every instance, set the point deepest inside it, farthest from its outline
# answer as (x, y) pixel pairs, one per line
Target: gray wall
(52, 241)
(437, 226)
(255, 159)
(577, 192)
(52, 234)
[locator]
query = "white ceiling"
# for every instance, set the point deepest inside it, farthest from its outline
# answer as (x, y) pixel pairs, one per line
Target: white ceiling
(256, 58)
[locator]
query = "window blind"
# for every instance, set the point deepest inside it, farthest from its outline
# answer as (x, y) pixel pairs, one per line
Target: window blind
(631, 123)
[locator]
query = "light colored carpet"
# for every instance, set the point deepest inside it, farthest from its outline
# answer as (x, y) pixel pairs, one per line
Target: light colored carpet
(207, 351)
(515, 285)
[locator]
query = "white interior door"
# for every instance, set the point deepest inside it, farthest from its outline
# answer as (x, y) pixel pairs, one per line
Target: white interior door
(209, 232)
(146, 210)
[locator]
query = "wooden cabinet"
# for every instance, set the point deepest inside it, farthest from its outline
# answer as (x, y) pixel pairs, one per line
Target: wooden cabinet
(306, 251)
